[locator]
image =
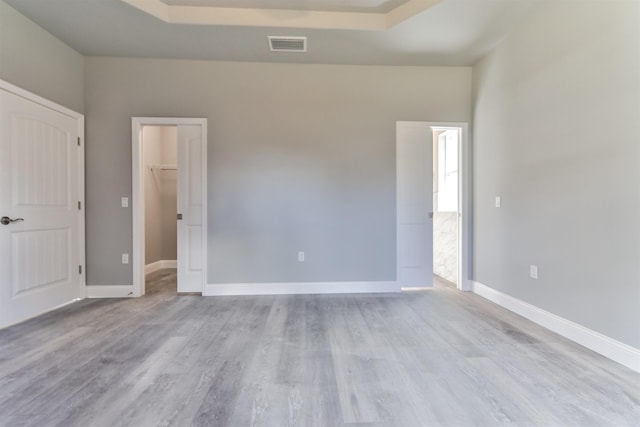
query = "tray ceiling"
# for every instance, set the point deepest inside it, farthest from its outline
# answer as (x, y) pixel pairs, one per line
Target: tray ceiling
(448, 32)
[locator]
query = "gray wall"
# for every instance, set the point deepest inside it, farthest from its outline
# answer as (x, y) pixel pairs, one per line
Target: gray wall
(34, 60)
(301, 158)
(557, 134)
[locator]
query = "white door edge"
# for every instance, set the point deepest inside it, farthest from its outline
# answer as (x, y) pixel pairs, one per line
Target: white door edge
(137, 193)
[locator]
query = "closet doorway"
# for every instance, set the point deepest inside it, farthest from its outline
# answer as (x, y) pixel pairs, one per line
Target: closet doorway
(446, 203)
(169, 200)
(160, 167)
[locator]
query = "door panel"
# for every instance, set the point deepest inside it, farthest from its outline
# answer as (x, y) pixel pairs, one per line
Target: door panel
(39, 256)
(190, 181)
(414, 202)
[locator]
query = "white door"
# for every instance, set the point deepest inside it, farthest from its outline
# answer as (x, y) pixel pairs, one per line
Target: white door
(39, 188)
(414, 204)
(190, 220)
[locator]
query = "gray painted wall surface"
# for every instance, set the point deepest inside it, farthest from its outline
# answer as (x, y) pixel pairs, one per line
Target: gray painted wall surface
(557, 135)
(301, 158)
(34, 60)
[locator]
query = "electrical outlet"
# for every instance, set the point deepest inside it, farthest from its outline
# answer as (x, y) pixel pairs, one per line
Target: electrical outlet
(124, 202)
(300, 256)
(125, 258)
(498, 201)
(533, 271)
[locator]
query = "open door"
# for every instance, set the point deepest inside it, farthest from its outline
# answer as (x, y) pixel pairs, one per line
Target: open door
(41, 229)
(414, 204)
(190, 212)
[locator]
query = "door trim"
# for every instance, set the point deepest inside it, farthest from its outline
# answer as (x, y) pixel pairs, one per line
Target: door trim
(137, 194)
(465, 188)
(79, 118)
(464, 206)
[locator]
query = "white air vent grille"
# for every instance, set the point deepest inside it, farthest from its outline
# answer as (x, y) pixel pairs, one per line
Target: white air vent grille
(287, 44)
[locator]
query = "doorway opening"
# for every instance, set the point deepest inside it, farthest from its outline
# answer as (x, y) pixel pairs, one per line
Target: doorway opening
(160, 167)
(169, 156)
(433, 204)
(446, 204)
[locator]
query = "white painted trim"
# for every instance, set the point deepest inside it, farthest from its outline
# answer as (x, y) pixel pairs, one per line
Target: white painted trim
(39, 100)
(602, 344)
(159, 265)
(300, 288)
(137, 193)
(105, 291)
(284, 18)
(465, 224)
(30, 96)
(465, 198)
(82, 285)
(465, 204)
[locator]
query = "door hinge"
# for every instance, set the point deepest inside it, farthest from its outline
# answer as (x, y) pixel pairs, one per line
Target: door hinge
(79, 269)
(79, 205)
(78, 141)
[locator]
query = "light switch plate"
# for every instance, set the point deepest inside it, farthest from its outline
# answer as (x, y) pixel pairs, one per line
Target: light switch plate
(124, 202)
(498, 201)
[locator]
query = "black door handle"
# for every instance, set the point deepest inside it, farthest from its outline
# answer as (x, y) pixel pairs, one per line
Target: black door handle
(5, 220)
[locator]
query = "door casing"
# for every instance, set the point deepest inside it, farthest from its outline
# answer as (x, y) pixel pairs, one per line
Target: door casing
(464, 201)
(137, 194)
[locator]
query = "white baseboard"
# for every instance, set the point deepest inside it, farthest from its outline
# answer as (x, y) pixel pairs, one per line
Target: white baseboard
(117, 291)
(300, 288)
(159, 265)
(602, 344)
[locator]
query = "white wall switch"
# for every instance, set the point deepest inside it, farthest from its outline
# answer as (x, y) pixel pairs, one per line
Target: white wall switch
(301, 256)
(533, 271)
(124, 202)
(498, 201)
(125, 258)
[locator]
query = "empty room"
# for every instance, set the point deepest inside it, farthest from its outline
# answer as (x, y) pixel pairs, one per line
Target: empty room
(320, 213)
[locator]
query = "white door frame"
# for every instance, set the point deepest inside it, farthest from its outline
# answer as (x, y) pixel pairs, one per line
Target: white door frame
(464, 202)
(137, 194)
(82, 282)
(464, 205)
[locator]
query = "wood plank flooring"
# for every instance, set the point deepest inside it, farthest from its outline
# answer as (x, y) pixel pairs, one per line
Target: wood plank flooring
(435, 358)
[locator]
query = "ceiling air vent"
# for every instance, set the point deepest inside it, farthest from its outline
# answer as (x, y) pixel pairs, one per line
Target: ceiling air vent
(287, 44)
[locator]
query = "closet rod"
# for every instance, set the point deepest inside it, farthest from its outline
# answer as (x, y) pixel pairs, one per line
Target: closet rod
(164, 167)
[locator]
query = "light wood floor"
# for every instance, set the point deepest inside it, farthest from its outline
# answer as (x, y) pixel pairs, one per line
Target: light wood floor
(436, 358)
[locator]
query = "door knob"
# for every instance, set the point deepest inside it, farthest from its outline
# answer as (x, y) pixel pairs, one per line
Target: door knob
(5, 220)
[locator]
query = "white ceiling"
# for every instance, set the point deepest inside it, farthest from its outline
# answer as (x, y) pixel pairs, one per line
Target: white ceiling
(448, 32)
